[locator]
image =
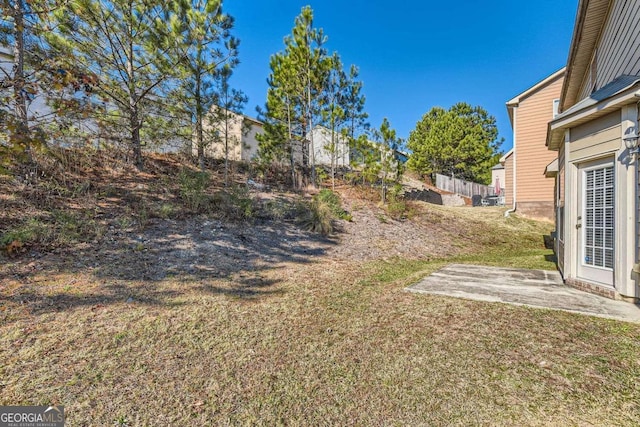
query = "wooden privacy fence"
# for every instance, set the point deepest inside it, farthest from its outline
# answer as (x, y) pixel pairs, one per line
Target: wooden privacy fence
(464, 188)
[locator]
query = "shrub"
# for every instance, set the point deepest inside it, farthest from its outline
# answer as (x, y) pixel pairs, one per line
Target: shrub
(59, 229)
(72, 227)
(397, 207)
(235, 203)
(317, 217)
(26, 233)
(318, 214)
(332, 200)
(165, 211)
(193, 185)
(278, 209)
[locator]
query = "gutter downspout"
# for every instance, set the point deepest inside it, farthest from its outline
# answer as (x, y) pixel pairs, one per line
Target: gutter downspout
(515, 153)
(636, 265)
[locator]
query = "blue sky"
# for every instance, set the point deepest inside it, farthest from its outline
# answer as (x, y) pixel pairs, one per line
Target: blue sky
(414, 55)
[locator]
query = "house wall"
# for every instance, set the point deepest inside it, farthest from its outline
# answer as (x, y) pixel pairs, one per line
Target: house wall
(560, 209)
(325, 151)
(508, 180)
(618, 50)
(535, 193)
(37, 107)
(241, 137)
(585, 143)
(595, 137)
(616, 53)
(250, 143)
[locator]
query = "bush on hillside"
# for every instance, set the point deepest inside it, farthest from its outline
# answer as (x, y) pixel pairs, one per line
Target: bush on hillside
(319, 214)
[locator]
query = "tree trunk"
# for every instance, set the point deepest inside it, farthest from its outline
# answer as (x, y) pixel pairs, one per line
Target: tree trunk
(226, 147)
(19, 81)
(200, 142)
(134, 123)
(334, 156)
(310, 121)
(291, 151)
(199, 117)
(134, 113)
(384, 175)
(311, 146)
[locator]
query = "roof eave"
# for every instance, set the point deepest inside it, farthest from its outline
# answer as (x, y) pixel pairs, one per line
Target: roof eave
(591, 14)
(551, 170)
(553, 139)
(557, 126)
(510, 107)
(515, 101)
(542, 83)
(507, 154)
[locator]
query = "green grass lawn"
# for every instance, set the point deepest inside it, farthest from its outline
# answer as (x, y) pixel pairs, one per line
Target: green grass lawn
(334, 342)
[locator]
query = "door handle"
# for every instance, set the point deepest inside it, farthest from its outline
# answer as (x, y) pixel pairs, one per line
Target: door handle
(578, 225)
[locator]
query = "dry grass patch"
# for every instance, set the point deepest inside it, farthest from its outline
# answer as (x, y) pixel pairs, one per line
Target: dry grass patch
(330, 343)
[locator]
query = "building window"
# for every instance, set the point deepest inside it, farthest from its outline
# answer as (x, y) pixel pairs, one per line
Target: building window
(560, 223)
(556, 107)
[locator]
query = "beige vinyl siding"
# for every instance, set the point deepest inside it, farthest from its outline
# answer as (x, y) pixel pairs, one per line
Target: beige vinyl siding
(590, 16)
(242, 142)
(560, 213)
(250, 142)
(618, 50)
(561, 176)
(508, 180)
(593, 138)
(534, 113)
(216, 149)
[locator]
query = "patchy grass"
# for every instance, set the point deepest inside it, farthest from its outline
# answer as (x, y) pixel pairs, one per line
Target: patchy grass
(319, 345)
(485, 236)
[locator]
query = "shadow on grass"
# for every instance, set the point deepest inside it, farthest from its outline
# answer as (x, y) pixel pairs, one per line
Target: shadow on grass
(246, 288)
(109, 294)
(205, 252)
(216, 257)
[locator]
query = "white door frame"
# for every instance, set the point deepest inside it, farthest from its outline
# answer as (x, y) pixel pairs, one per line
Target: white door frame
(585, 258)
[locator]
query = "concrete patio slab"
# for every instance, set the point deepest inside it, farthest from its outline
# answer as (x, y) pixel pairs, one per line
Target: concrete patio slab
(533, 288)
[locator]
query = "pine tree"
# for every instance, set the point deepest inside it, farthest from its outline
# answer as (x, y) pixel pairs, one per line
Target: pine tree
(284, 131)
(390, 168)
(334, 112)
(298, 78)
(462, 141)
(229, 103)
(126, 43)
(30, 74)
(205, 55)
(356, 117)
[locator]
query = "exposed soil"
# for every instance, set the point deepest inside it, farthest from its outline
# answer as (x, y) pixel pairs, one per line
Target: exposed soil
(196, 245)
(200, 246)
(121, 243)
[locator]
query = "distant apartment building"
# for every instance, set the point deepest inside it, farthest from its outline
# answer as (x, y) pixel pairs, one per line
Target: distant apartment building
(330, 149)
(238, 132)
